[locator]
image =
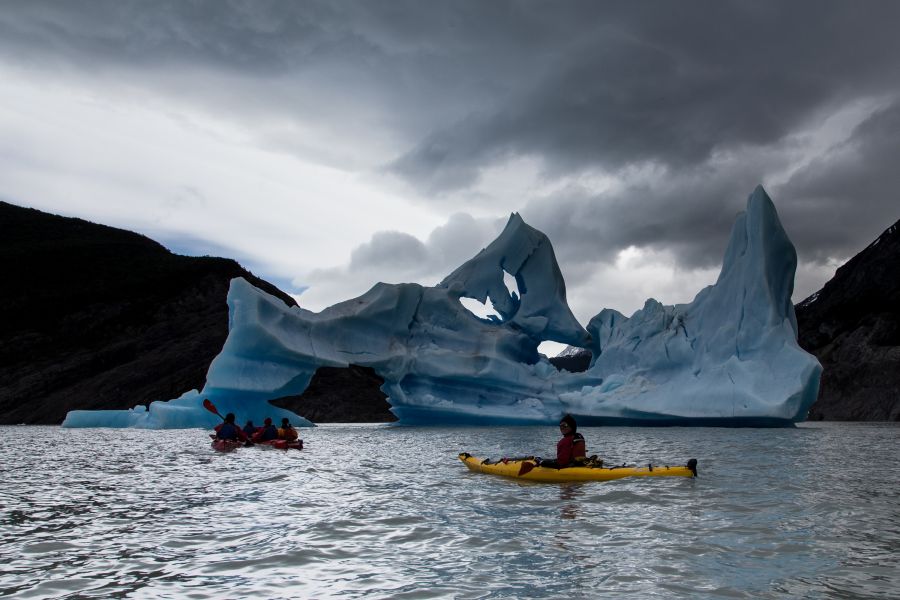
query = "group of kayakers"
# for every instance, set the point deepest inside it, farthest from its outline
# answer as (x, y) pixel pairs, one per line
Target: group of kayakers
(570, 450)
(228, 430)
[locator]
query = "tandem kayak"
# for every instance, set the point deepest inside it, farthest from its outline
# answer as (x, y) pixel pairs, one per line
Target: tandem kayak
(281, 444)
(226, 445)
(229, 445)
(527, 469)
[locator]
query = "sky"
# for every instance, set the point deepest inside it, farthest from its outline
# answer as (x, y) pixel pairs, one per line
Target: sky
(330, 145)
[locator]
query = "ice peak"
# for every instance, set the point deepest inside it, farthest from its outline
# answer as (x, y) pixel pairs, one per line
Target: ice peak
(540, 309)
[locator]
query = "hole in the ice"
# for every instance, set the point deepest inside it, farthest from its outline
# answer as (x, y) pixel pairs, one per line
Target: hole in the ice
(482, 310)
(550, 349)
(510, 281)
(566, 358)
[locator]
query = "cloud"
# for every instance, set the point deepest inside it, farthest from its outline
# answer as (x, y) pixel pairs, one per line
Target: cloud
(403, 252)
(850, 194)
(672, 84)
(397, 257)
(330, 143)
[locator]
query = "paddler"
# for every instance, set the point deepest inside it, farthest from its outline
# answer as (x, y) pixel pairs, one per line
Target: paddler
(266, 432)
(229, 431)
(570, 448)
(287, 431)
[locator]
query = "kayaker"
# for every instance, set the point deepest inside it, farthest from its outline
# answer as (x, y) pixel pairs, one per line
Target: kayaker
(287, 431)
(266, 432)
(229, 431)
(570, 448)
(249, 428)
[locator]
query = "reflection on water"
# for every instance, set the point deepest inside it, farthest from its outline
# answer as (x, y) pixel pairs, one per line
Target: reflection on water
(569, 496)
(384, 512)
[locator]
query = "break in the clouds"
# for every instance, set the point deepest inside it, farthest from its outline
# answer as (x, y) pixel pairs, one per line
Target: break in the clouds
(334, 143)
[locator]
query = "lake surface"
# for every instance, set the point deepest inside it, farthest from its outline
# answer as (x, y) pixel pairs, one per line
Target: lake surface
(375, 511)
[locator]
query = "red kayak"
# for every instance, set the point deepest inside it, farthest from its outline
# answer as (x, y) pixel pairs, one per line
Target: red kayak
(282, 444)
(226, 445)
(229, 445)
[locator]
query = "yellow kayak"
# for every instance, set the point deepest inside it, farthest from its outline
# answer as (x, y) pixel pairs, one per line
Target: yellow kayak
(528, 470)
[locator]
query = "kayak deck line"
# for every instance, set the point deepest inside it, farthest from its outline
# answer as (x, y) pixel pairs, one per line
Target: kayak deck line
(528, 469)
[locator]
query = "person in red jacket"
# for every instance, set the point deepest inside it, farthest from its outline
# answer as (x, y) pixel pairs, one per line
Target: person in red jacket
(570, 448)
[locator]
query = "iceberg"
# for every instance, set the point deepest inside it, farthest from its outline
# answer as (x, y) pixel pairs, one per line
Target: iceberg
(730, 357)
(184, 412)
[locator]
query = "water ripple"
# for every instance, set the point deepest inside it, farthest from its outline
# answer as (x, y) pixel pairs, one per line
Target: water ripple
(385, 512)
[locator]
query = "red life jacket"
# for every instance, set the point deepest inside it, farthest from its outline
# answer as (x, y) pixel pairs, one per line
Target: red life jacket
(569, 448)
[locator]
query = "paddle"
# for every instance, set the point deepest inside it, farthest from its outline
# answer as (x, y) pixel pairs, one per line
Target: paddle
(212, 408)
(526, 467)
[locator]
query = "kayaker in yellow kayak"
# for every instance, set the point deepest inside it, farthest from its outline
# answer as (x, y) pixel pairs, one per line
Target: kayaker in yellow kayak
(570, 448)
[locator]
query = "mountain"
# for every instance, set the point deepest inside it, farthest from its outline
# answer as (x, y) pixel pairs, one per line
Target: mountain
(573, 359)
(852, 325)
(101, 318)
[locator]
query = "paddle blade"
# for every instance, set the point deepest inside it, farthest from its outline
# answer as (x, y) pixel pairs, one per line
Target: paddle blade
(526, 467)
(211, 407)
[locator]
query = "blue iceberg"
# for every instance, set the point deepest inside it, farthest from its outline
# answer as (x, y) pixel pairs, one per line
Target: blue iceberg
(730, 357)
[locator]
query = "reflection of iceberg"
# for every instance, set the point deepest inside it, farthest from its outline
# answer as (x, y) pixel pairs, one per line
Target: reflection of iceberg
(730, 357)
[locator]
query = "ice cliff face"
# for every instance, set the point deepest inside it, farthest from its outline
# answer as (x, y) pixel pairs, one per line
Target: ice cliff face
(730, 357)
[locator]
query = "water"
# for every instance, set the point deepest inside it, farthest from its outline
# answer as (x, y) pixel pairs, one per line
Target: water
(372, 511)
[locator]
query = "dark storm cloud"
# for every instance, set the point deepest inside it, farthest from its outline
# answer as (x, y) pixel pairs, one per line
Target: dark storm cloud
(831, 208)
(415, 66)
(691, 216)
(577, 83)
(460, 86)
(671, 83)
(847, 198)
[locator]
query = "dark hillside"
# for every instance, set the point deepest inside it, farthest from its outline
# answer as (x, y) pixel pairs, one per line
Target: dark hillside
(96, 317)
(853, 326)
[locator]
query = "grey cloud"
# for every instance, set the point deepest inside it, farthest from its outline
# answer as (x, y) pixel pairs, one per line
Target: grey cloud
(845, 199)
(393, 250)
(831, 208)
(459, 239)
(690, 214)
(464, 84)
(456, 87)
(398, 255)
(671, 84)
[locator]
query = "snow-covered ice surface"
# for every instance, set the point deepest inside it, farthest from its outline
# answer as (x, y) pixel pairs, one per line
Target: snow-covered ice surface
(730, 357)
